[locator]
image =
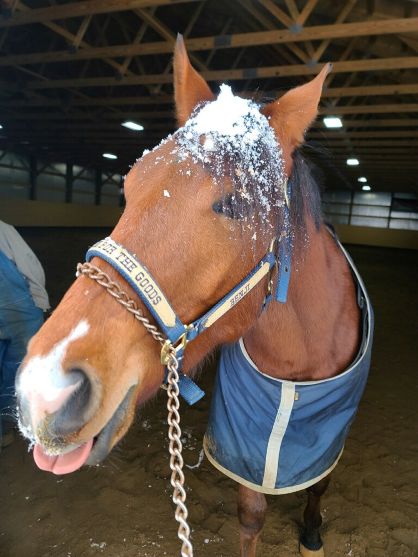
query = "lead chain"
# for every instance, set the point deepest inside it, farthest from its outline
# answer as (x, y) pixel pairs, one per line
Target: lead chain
(173, 403)
(176, 458)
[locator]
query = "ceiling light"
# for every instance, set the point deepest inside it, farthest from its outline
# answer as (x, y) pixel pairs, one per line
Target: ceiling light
(109, 156)
(362, 179)
(1, 127)
(133, 126)
(332, 122)
(366, 187)
(353, 162)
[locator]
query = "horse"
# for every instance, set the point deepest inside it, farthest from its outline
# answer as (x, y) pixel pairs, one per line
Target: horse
(219, 213)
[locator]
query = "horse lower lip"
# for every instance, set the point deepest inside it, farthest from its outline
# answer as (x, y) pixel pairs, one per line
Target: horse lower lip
(102, 441)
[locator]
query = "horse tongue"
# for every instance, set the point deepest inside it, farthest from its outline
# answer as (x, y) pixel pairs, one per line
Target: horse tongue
(65, 463)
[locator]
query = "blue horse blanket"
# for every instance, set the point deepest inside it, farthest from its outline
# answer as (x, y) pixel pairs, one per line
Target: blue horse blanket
(277, 436)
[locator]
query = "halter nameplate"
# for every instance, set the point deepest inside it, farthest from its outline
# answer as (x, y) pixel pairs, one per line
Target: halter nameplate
(138, 276)
(244, 288)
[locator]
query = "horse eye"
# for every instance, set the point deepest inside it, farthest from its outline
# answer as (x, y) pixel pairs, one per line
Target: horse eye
(225, 206)
(231, 207)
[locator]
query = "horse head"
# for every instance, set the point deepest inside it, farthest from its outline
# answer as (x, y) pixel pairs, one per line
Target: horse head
(201, 209)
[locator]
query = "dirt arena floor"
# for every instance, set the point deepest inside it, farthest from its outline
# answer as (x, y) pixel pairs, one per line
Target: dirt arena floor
(123, 508)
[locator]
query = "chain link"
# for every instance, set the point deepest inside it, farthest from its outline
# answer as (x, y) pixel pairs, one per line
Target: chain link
(173, 402)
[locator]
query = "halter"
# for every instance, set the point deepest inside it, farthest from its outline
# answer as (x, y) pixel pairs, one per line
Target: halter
(178, 334)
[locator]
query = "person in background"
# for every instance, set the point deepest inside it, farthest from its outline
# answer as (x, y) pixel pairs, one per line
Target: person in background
(23, 301)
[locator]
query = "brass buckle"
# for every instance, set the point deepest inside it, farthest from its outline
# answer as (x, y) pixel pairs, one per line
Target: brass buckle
(272, 247)
(179, 344)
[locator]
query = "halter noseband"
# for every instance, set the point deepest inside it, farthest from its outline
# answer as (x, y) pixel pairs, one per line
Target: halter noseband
(178, 334)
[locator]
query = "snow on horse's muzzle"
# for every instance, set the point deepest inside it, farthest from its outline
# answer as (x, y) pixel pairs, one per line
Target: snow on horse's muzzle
(54, 414)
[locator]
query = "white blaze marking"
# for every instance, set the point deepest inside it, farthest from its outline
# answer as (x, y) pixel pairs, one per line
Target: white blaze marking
(43, 381)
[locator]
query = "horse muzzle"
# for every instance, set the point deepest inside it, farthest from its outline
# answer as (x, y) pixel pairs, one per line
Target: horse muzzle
(54, 420)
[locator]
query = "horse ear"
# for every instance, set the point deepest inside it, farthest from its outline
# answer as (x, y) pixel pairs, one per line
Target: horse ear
(292, 114)
(190, 88)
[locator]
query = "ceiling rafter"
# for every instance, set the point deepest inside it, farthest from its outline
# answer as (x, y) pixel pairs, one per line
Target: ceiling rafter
(81, 9)
(368, 65)
(70, 37)
(165, 32)
(344, 13)
(259, 18)
(371, 109)
(329, 93)
(257, 38)
(287, 21)
(81, 31)
(295, 14)
(364, 134)
(306, 11)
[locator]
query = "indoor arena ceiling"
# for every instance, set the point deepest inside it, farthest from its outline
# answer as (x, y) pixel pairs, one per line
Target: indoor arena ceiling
(72, 72)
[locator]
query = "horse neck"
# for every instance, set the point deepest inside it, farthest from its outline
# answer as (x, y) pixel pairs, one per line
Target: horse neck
(315, 334)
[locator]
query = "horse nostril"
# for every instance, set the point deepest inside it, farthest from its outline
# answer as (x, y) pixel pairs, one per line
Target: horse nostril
(75, 411)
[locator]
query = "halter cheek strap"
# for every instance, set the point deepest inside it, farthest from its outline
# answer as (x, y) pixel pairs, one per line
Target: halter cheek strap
(285, 254)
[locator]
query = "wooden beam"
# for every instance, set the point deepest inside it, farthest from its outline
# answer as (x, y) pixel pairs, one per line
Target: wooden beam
(69, 178)
(5, 114)
(81, 116)
(277, 12)
(137, 39)
(259, 18)
(33, 177)
(81, 31)
(279, 36)
(292, 8)
(371, 90)
(108, 128)
(370, 109)
(71, 38)
(77, 9)
(376, 64)
(369, 143)
(376, 123)
(306, 11)
(165, 32)
(98, 184)
(334, 92)
(9, 116)
(391, 149)
(345, 11)
(386, 157)
(281, 16)
(373, 134)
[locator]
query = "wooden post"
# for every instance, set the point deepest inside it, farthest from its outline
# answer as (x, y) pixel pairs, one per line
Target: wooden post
(121, 193)
(351, 206)
(69, 178)
(33, 176)
(98, 186)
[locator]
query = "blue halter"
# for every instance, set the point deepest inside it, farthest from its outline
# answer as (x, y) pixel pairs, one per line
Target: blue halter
(177, 333)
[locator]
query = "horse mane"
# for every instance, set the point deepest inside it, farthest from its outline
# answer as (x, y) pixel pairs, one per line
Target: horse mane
(305, 188)
(306, 185)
